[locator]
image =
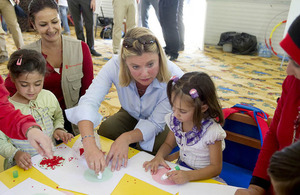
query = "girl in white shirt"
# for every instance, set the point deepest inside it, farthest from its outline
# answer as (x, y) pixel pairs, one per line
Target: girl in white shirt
(195, 127)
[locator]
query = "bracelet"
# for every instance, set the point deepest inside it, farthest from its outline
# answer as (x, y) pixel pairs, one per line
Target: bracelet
(87, 137)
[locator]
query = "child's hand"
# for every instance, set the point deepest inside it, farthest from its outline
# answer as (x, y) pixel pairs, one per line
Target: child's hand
(178, 177)
(62, 135)
(154, 164)
(23, 160)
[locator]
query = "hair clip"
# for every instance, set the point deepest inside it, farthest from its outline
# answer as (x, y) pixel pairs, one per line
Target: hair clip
(19, 61)
(174, 79)
(193, 93)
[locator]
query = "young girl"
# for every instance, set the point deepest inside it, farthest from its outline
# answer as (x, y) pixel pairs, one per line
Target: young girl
(195, 127)
(27, 69)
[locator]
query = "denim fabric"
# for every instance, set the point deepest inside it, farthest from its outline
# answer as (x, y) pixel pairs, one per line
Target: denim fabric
(145, 5)
(63, 12)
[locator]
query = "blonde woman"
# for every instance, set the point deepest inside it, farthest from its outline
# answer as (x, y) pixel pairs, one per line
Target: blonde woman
(140, 74)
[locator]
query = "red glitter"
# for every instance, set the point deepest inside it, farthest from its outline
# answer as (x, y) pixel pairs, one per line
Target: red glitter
(71, 158)
(81, 150)
(56, 161)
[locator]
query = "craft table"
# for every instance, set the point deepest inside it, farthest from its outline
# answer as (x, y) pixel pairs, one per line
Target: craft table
(124, 187)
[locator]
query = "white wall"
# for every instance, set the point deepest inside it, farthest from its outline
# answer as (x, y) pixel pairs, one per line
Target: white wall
(293, 13)
(256, 17)
(106, 7)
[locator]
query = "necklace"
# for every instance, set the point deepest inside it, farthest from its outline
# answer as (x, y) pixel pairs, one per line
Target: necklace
(296, 125)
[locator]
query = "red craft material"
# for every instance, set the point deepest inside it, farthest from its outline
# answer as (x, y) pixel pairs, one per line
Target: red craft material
(56, 161)
(81, 150)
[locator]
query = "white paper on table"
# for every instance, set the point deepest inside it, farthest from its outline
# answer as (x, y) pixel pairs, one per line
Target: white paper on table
(135, 168)
(31, 186)
(3, 188)
(192, 188)
(75, 175)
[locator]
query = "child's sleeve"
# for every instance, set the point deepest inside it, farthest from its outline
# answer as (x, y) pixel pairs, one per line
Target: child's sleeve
(58, 118)
(7, 149)
(214, 133)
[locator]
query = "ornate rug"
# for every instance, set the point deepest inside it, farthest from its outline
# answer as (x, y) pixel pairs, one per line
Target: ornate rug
(239, 79)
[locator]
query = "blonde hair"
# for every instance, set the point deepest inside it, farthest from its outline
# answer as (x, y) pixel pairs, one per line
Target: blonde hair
(137, 49)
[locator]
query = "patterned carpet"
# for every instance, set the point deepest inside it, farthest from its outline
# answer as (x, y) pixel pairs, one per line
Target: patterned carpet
(239, 79)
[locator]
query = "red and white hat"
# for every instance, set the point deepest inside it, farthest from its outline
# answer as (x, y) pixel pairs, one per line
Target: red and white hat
(291, 42)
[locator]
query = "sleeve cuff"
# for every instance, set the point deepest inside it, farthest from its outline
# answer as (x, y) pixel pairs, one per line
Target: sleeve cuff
(265, 184)
(10, 160)
(148, 131)
(79, 113)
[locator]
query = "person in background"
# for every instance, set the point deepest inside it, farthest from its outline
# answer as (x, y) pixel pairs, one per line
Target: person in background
(69, 62)
(168, 19)
(181, 27)
(284, 129)
(145, 5)
(123, 9)
(3, 51)
(195, 127)
(7, 10)
(284, 170)
(140, 74)
(27, 69)
(86, 8)
(63, 13)
(18, 126)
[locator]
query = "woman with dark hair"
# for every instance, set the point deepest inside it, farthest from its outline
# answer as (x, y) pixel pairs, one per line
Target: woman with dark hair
(69, 62)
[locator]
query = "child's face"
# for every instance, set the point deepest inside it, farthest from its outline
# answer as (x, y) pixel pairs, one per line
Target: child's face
(29, 85)
(183, 111)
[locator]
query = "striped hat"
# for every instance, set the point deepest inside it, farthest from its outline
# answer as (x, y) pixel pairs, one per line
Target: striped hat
(291, 42)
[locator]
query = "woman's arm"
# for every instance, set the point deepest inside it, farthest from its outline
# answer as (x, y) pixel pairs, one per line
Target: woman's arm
(93, 155)
(118, 152)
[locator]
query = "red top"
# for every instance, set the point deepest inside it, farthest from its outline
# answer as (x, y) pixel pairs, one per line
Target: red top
(281, 129)
(53, 79)
(12, 122)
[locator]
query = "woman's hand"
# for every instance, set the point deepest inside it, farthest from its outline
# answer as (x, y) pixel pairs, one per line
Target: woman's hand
(118, 153)
(154, 164)
(23, 160)
(94, 157)
(62, 135)
(252, 190)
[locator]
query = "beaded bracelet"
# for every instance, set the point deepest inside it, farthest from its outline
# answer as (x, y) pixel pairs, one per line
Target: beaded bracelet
(87, 136)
